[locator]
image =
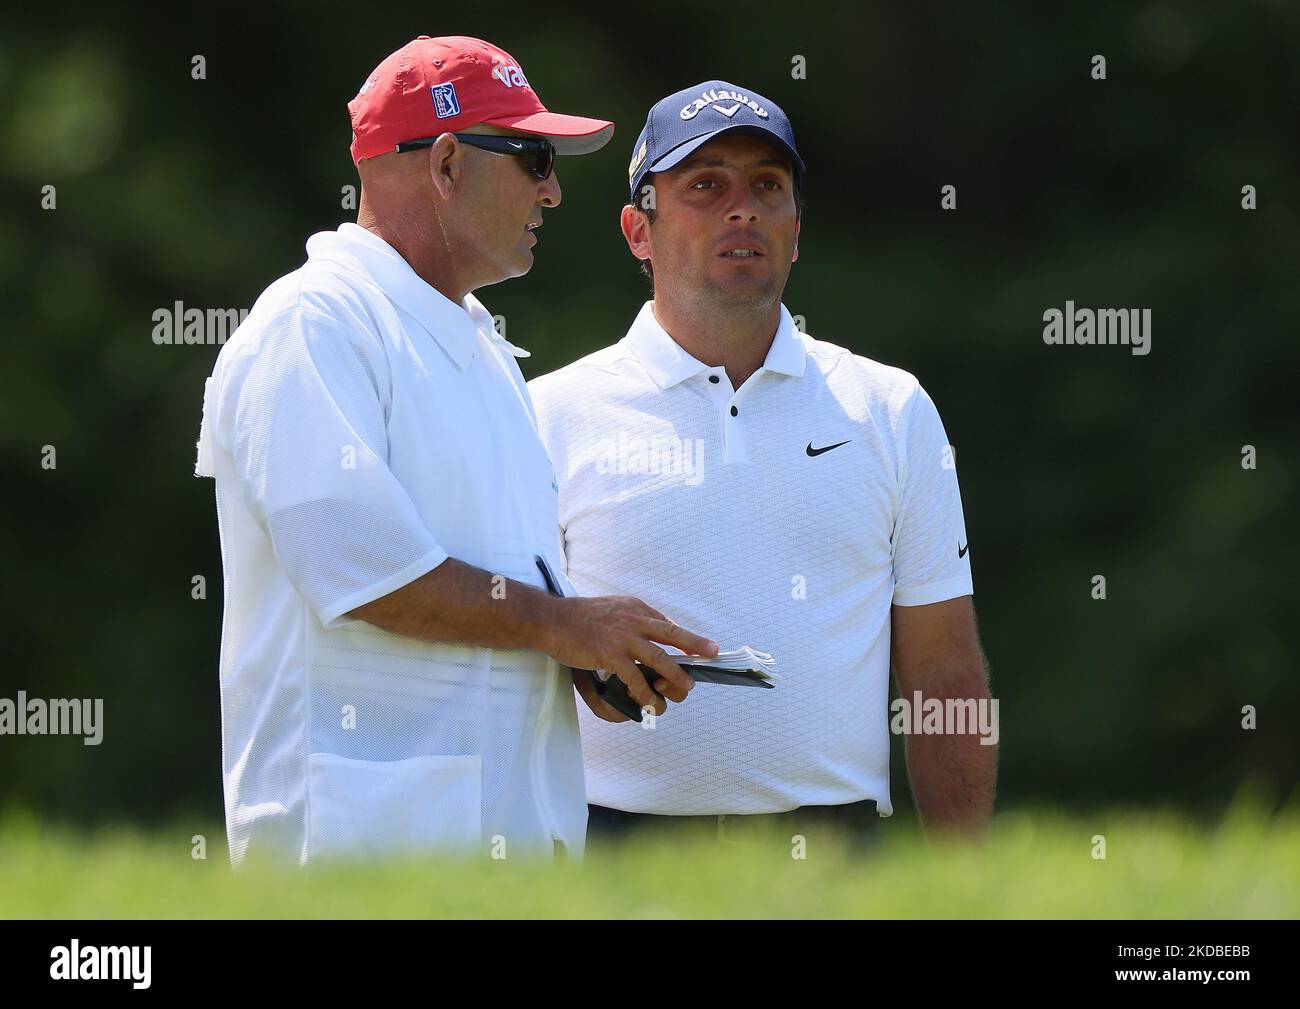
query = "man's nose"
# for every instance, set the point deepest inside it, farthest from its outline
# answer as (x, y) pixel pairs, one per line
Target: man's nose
(743, 207)
(549, 194)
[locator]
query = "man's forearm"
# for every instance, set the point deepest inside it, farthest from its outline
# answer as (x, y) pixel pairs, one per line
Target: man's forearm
(457, 602)
(462, 604)
(953, 775)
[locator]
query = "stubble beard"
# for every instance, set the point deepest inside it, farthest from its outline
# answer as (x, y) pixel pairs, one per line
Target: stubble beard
(711, 298)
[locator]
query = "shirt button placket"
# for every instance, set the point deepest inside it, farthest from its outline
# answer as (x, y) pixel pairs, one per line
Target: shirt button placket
(723, 399)
(734, 439)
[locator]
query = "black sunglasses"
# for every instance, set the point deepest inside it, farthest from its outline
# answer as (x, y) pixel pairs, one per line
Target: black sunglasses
(538, 155)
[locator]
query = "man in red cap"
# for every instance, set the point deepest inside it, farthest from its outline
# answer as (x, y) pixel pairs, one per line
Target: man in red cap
(392, 671)
(429, 95)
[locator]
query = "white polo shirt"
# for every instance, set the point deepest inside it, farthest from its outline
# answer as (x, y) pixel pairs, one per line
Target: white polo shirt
(362, 429)
(789, 514)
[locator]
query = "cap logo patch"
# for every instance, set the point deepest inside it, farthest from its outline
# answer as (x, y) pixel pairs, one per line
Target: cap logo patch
(445, 102)
(637, 160)
(511, 76)
(713, 98)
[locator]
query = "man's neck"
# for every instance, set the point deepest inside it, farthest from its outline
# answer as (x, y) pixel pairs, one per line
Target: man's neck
(430, 263)
(738, 341)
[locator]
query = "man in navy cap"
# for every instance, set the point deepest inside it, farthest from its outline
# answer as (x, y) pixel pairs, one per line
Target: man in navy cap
(778, 489)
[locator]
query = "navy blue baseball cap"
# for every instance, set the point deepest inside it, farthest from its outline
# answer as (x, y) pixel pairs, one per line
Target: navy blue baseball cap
(684, 121)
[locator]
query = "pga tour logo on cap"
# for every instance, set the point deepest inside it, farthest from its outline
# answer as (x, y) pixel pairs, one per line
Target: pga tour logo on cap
(445, 102)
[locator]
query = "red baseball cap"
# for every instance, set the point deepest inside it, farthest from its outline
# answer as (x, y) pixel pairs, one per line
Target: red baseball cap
(443, 85)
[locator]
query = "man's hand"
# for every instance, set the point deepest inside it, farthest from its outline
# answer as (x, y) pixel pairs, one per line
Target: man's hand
(602, 709)
(587, 691)
(614, 633)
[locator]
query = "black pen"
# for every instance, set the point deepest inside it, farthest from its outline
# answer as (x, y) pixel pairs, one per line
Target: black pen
(552, 583)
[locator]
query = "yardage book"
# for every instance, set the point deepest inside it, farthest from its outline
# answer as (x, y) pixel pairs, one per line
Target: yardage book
(737, 667)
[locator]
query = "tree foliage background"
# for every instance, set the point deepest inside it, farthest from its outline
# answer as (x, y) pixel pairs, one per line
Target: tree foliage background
(1074, 461)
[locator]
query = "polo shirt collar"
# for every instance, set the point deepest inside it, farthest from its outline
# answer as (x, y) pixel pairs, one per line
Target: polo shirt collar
(455, 327)
(669, 364)
(787, 354)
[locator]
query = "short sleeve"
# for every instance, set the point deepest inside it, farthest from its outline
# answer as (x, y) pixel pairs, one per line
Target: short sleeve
(306, 430)
(930, 550)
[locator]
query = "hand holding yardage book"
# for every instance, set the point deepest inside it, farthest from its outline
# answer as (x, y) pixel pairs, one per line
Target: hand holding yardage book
(741, 667)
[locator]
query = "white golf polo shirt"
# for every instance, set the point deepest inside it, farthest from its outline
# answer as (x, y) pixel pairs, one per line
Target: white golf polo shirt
(362, 429)
(790, 514)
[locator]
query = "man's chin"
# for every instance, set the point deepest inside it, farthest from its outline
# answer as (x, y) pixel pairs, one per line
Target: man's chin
(516, 267)
(743, 288)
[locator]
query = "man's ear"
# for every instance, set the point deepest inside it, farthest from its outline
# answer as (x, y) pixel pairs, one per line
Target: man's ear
(636, 231)
(795, 257)
(446, 162)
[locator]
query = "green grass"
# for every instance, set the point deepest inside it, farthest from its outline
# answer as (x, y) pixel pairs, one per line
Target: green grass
(1033, 865)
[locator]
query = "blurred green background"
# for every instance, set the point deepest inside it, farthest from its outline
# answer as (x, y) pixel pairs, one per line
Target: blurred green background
(1074, 461)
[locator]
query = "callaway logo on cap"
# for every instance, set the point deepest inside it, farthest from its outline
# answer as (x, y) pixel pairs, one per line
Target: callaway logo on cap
(685, 121)
(445, 85)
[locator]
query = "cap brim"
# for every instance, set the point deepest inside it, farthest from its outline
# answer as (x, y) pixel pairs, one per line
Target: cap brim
(569, 134)
(680, 153)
